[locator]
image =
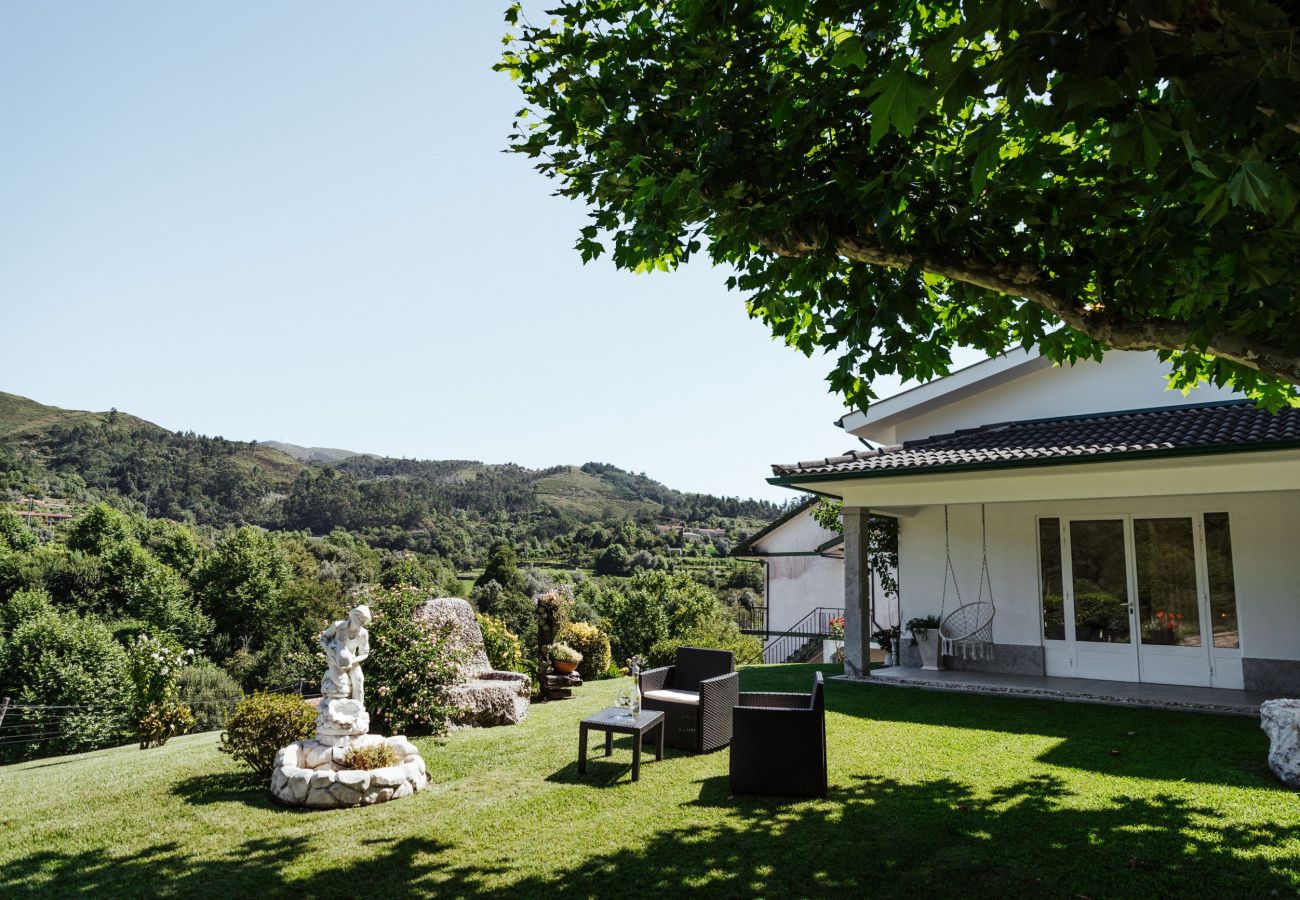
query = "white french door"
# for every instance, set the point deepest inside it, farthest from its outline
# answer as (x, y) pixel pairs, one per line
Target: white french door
(1141, 598)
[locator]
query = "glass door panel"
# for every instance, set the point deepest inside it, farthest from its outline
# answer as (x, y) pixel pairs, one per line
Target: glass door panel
(1223, 591)
(1168, 612)
(1052, 579)
(1099, 573)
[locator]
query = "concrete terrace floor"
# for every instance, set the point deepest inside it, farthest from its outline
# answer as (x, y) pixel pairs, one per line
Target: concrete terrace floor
(1076, 690)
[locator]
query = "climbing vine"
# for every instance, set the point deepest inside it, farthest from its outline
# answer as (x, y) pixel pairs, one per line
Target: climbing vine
(882, 541)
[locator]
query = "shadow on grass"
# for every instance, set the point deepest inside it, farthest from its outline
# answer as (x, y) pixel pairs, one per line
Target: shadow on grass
(602, 770)
(1138, 743)
(883, 837)
(876, 837)
(225, 787)
(257, 868)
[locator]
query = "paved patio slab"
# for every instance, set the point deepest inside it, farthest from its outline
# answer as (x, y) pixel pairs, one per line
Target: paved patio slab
(1075, 690)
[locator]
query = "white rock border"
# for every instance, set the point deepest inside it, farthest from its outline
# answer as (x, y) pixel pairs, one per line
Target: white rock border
(311, 774)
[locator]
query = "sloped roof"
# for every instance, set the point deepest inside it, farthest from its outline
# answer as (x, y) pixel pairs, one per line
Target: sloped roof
(1180, 430)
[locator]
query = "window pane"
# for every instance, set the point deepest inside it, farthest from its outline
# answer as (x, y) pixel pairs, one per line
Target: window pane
(1051, 589)
(1223, 592)
(1166, 582)
(1100, 581)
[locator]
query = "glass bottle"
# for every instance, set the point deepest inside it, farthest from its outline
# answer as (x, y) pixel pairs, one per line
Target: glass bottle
(636, 689)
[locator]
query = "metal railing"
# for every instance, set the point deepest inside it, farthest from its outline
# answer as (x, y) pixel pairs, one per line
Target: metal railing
(751, 618)
(816, 626)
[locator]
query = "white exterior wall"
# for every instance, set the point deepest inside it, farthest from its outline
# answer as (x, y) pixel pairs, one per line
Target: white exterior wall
(796, 585)
(1127, 380)
(1265, 530)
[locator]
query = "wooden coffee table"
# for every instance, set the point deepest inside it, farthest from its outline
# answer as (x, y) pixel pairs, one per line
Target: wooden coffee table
(615, 720)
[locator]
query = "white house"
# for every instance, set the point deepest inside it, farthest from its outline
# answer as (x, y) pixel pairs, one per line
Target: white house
(803, 568)
(1132, 533)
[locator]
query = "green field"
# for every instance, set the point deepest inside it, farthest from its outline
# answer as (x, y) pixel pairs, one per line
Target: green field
(931, 795)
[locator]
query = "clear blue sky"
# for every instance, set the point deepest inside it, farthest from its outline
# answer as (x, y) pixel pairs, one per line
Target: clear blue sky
(293, 221)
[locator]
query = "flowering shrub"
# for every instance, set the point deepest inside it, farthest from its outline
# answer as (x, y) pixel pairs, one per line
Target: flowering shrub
(264, 723)
(412, 665)
(593, 644)
(837, 627)
(155, 666)
(504, 651)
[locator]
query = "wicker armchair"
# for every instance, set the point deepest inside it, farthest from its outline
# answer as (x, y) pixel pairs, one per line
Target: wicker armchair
(696, 696)
(779, 745)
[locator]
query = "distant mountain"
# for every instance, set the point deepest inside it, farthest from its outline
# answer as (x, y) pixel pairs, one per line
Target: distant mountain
(19, 415)
(452, 507)
(311, 454)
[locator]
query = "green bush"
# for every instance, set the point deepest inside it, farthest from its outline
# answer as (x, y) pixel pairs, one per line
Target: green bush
(593, 644)
(23, 605)
(412, 665)
(70, 662)
(264, 723)
(380, 756)
(210, 694)
(716, 633)
(504, 651)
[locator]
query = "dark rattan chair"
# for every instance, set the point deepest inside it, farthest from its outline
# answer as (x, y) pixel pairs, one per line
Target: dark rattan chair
(779, 744)
(696, 696)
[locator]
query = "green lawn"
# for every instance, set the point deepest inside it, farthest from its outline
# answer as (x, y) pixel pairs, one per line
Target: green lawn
(931, 795)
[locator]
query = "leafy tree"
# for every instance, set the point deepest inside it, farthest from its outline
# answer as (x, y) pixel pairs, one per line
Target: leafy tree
(240, 585)
(888, 181)
(14, 533)
(503, 568)
(99, 530)
(613, 560)
(71, 662)
(516, 610)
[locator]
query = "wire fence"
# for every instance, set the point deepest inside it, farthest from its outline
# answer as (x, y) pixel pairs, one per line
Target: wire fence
(30, 730)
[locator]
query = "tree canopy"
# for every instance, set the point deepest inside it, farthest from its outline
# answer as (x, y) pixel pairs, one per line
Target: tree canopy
(889, 181)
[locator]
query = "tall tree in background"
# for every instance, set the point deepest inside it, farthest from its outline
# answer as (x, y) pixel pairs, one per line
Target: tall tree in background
(892, 180)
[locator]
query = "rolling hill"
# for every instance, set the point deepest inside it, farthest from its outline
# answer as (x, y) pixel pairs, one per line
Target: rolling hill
(83, 456)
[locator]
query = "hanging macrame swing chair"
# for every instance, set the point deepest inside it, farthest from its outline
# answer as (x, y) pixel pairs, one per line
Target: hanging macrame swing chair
(967, 631)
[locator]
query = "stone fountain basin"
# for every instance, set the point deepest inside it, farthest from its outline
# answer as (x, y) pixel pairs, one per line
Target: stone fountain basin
(310, 773)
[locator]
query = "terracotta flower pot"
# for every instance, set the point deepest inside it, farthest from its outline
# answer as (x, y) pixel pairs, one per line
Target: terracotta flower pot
(564, 667)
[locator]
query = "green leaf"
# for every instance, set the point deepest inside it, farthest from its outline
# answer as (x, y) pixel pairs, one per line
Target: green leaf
(850, 53)
(903, 96)
(1252, 184)
(1215, 206)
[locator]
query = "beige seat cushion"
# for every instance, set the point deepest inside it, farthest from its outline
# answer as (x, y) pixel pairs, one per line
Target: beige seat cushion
(672, 696)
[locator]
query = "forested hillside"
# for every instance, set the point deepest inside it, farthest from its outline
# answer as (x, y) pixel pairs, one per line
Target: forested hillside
(118, 537)
(455, 509)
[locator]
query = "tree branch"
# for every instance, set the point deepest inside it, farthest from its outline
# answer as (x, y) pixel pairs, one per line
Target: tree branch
(1029, 283)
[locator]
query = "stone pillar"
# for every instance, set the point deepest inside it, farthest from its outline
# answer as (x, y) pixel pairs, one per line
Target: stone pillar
(857, 592)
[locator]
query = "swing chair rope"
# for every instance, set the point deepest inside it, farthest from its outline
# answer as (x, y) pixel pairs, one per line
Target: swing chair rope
(969, 628)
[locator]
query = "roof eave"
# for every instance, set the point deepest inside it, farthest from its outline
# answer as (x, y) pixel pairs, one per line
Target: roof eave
(798, 481)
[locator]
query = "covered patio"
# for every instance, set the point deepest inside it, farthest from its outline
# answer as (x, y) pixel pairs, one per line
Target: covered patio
(1076, 690)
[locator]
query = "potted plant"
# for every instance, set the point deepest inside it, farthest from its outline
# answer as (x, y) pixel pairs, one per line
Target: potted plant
(835, 643)
(887, 640)
(565, 658)
(925, 637)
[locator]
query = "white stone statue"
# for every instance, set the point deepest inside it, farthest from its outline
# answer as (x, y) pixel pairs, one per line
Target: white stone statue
(316, 773)
(342, 706)
(347, 646)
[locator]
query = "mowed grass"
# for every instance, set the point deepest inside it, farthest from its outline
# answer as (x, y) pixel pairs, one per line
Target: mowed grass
(931, 795)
